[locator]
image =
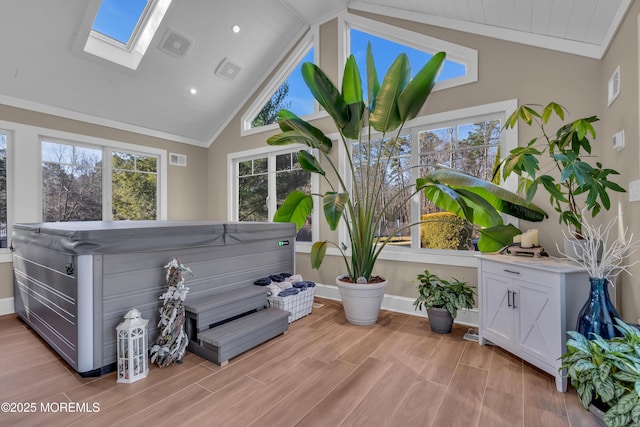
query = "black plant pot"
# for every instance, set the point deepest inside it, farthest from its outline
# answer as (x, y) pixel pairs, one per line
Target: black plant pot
(440, 320)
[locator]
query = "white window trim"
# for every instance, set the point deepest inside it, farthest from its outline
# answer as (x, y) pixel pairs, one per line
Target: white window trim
(5, 253)
(232, 173)
(107, 146)
(307, 42)
(455, 52)
(129, 55)
(508, 141)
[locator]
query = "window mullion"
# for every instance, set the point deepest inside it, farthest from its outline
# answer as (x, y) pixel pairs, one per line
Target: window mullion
(107, 188)
(271, 197)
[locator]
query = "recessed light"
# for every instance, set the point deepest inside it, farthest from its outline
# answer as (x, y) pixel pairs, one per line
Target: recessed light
(235, 29)
(193, 91)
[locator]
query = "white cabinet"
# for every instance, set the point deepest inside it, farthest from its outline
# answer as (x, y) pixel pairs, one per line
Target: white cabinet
(527, 305)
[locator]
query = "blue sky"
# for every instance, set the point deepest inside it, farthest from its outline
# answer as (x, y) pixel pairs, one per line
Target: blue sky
(118, 18)
(384, 53)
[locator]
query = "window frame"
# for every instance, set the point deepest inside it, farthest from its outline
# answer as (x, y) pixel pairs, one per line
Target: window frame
(131, 54)
(5, 253)
(455, 52)
(107, 147)
(233, 161)
(508, 141)
(307, 42)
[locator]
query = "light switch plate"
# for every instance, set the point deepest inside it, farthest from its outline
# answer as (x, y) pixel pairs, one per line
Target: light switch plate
(634, 191)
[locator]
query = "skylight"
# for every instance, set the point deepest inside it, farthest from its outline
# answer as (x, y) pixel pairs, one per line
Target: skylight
(118, 19)
(123, 30)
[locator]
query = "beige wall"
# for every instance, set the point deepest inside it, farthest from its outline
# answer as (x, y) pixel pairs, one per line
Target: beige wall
(623, 115)
(187, 186)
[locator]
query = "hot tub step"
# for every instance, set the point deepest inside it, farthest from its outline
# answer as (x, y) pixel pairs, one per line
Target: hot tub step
(221, 343)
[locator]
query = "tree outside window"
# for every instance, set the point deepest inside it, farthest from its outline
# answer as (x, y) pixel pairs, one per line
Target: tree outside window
(73, 184)
(472, 147)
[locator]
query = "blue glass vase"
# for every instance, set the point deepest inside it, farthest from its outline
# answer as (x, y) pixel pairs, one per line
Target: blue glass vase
(598, 314)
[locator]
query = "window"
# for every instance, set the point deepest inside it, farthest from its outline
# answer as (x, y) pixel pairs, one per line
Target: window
(387, 42)
(287, 90)
(123, 29)
(261, 181)
(118, 19)
(385, 51)
(79, 185)
(4, 222)
(292, 95)
(470, 140)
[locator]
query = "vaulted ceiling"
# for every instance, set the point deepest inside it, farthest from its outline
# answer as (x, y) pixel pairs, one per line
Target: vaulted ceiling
(46, 69)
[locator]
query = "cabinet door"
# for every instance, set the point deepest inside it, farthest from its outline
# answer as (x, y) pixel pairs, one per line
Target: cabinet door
(539, 321)
(497, 313)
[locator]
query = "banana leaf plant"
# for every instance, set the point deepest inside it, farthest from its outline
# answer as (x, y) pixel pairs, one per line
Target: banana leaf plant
(357, 199)
(480, 203)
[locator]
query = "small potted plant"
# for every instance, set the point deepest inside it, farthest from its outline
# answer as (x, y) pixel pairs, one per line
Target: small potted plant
(606, 374)
(442, 299)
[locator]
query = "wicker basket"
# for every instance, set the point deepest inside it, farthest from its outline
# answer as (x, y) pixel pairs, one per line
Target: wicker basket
(298, 305)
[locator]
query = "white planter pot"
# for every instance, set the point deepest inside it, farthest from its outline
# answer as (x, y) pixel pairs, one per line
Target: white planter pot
(361, 303)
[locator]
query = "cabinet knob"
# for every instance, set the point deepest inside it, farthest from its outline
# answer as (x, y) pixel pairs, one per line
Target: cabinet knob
(511, 271)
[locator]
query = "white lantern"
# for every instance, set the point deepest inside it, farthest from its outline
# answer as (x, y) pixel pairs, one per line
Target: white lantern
(132, 348)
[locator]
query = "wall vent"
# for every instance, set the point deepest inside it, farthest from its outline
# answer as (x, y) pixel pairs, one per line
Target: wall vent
(175, 43)
(177, 159)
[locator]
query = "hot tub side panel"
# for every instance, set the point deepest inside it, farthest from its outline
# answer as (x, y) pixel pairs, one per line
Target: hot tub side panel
(45, 295)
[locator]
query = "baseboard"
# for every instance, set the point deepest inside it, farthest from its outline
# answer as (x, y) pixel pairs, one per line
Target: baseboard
(400, 305)
(6, 306)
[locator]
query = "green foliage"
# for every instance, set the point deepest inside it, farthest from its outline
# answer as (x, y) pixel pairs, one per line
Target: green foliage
(567, 149)
(436, 292)
(480, 203)
(269, 112)
(365, 207)
(443, 230)
(607, 369)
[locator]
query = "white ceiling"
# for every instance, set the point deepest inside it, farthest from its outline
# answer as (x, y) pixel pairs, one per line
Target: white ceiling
(45, 68)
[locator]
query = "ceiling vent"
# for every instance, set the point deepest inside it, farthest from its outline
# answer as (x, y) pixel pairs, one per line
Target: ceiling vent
(227, 70)
(175, 43)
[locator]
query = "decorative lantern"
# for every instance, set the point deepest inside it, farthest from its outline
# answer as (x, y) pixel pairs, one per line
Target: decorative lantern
(132, 348)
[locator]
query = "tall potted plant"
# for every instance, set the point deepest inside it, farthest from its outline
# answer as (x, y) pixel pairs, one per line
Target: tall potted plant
(578, 185)
(574, 184)
(356, 192)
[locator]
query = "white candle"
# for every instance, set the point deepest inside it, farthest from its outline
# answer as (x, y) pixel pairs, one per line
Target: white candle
(517, 238)
(534, 236)
(526, 240)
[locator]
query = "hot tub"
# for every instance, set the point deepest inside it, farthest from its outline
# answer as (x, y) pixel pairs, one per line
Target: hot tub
(74, 281)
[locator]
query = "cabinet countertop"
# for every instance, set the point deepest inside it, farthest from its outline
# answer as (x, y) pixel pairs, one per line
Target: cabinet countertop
(556, 265)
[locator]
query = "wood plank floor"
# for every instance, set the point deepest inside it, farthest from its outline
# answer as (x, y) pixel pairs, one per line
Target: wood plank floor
(323, 372)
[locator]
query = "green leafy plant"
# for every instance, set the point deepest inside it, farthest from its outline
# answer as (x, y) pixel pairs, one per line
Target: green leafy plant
(391, 103)
(567, 148)
(434, 292)
(480, 203)
(359, 193)
(608, 370)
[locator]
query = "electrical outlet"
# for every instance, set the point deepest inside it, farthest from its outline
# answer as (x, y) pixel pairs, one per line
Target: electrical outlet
(634, 191)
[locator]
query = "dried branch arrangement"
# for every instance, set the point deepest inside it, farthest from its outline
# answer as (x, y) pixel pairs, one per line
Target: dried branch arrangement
(601, 254)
